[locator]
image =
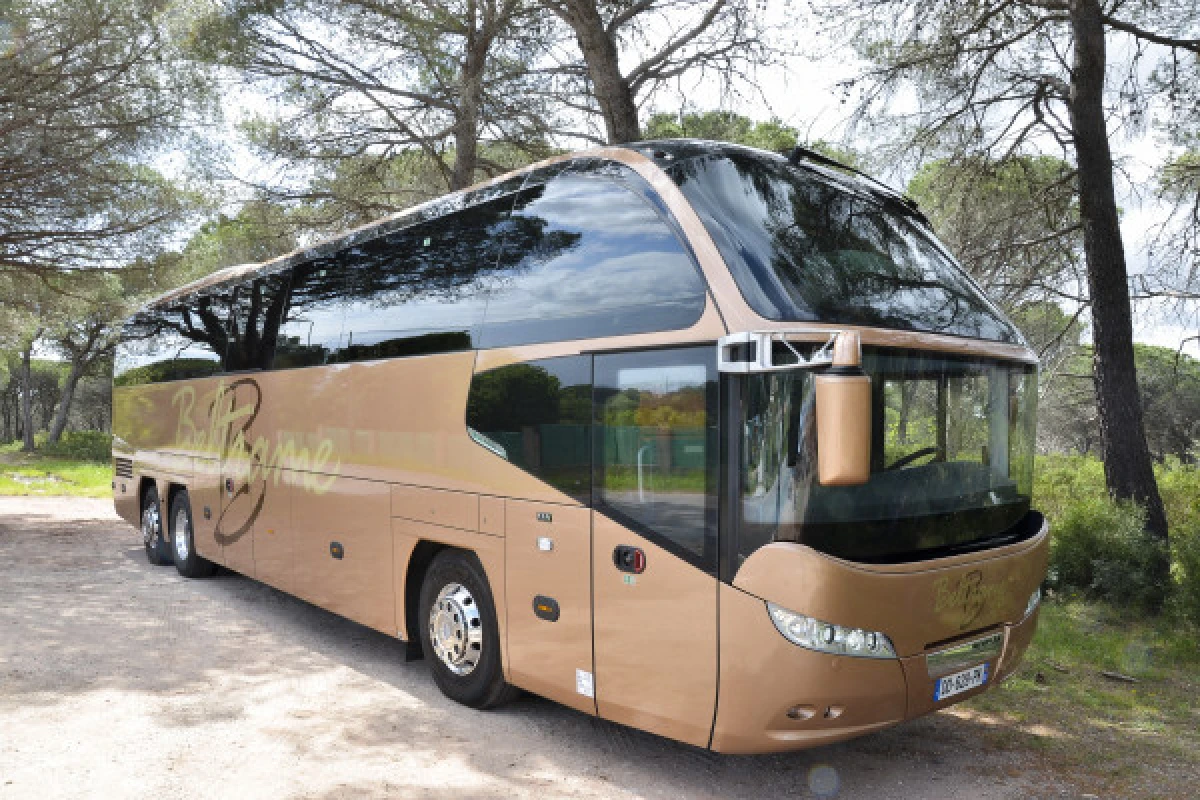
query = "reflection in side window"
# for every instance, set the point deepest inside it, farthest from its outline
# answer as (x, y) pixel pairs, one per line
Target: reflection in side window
(185, 339)
(656, 448)
(259, 309)
(587, 257)
(537, 416)
(312, 325)
(418, 290)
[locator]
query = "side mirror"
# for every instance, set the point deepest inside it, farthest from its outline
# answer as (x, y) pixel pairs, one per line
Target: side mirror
(844, 416)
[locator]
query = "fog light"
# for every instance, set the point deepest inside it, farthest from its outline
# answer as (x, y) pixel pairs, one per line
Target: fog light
(801, 712)
(825, 637)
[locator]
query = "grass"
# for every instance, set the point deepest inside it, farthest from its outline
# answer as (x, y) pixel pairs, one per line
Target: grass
(1106, 736)
(38, 475)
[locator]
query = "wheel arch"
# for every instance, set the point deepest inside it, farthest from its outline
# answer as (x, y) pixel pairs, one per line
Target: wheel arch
(414, 575)
(144, 484)
(174, 489)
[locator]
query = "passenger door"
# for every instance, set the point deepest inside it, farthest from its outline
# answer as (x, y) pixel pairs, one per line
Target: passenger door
(655, 541)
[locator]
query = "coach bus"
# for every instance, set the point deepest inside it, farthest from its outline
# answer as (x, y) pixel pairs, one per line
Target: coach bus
(713, 442)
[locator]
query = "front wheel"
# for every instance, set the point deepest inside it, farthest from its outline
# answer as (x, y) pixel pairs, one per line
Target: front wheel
(189, 563)
(459, 633)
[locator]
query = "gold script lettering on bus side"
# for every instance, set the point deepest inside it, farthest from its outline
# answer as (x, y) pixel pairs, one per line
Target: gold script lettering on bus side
(247, 457)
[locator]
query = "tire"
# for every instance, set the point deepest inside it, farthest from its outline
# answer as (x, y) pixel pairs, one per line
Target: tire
(183, 543)
(465, 667)
(158, 549)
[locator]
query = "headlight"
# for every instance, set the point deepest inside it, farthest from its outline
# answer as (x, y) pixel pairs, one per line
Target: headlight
(1034, 600)
(826, 637)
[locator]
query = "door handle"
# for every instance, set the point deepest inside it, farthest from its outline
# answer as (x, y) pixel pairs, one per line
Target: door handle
(629, 559)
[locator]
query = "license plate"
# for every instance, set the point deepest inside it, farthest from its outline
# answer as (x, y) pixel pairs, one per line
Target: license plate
(960, 682)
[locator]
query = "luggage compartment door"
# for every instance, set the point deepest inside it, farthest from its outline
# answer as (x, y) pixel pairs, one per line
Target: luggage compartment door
(547, 555)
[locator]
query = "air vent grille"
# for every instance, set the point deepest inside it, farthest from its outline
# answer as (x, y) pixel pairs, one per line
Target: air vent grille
(123, 467)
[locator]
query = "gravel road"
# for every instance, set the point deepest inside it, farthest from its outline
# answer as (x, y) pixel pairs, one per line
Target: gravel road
(119, 679)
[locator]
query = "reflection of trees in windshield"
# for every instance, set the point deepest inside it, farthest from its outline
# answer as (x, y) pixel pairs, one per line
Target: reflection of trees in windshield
(801, 247)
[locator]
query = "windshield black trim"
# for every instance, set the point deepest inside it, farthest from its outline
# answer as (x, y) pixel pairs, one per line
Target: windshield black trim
(1025, 529)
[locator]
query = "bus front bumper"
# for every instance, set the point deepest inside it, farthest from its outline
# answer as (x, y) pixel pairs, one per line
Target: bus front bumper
(775, 696)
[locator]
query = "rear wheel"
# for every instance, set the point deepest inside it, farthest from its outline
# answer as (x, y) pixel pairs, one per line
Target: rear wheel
(158, 551)
(459, 633)
(189, 563)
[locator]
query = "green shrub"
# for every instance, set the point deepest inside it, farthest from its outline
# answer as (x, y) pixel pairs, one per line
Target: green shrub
(1185, 550)
(1099, 547)
(81, 445)
(1060, 481)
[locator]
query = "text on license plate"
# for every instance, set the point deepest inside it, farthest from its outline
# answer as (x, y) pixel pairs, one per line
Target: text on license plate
(960, 682)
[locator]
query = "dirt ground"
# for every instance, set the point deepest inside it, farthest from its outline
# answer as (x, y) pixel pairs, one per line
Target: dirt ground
(119, 679)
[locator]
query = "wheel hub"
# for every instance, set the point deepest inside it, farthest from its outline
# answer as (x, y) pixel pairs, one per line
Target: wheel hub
(151, 525)
(181, 535)
(456, 629)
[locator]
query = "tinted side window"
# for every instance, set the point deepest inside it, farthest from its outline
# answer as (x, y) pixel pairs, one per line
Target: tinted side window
(311, 326)
(183, 339)
(259, 308)
(587, 257)
(146, 353)
(200, 327)
(537, 415)
(418, 290)
(656, 448)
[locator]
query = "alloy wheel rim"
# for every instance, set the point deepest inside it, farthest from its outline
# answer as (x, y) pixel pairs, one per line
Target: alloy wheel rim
(151, 525)
(456, 629)
(182, 535)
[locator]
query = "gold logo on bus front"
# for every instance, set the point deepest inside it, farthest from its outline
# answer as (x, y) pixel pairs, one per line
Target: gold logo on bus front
(249, 462)
(968, 597)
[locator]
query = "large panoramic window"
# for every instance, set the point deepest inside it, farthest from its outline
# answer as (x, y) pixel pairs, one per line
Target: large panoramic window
(586, 257)
(804, 247)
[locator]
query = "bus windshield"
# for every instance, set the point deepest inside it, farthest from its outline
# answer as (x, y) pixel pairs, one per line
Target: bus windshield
(804, 246)
(952, 460)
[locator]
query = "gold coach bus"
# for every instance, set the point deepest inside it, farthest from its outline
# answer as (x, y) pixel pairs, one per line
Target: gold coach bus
(709, 441)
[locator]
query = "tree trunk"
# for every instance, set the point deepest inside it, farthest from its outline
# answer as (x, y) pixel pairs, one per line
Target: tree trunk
(608, 84)
(64, 402)
(466, 123)
(1128, 470)
(27, 395)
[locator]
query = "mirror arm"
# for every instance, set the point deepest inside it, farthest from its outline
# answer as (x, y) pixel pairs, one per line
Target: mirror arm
(753, 351)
